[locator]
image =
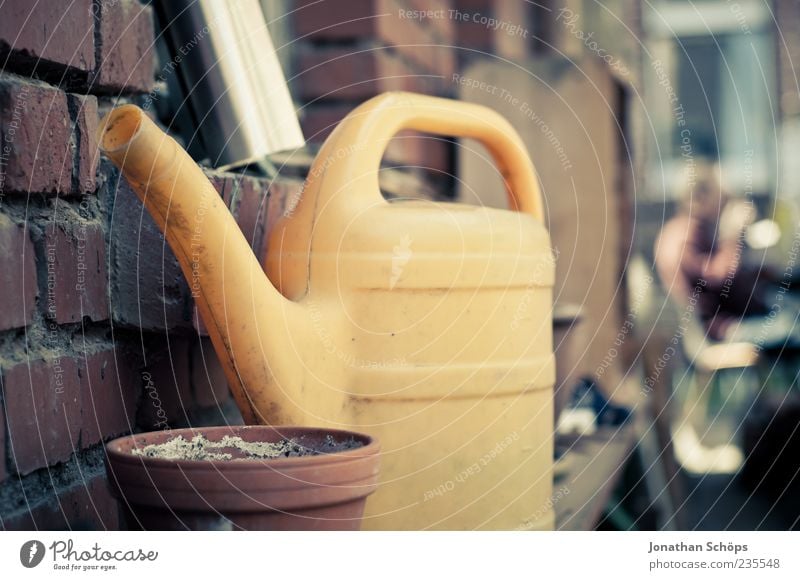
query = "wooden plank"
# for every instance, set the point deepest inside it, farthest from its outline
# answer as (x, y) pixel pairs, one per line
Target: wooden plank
(593, 466)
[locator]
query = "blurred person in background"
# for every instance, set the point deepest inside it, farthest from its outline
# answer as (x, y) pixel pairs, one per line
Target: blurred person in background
(700, 256)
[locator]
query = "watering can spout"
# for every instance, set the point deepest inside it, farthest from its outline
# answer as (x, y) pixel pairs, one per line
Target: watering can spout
(248, 320)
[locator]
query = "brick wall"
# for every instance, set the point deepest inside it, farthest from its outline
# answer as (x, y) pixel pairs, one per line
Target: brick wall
(98, 333)
(344, 53)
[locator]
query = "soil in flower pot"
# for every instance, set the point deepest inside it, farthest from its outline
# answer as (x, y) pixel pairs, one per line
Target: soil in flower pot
(243, 478)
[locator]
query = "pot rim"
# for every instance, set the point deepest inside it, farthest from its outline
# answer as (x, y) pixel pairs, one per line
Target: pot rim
(370, 448)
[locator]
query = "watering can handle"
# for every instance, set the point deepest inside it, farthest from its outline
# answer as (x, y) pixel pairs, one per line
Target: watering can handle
(360, 140)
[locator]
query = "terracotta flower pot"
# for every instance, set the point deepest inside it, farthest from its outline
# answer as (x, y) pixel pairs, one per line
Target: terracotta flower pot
(314, 492)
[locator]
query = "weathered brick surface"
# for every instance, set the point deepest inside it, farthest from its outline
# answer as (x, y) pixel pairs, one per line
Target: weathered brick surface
(53, 40)
(86, 120)
(166, 386)
(87, 505)
(76, 273)
(17, 276)
(148, 290)
(43, 407)
(35, 135)
(110, 391)
(91, 506)
(126, 47)
(251, 210)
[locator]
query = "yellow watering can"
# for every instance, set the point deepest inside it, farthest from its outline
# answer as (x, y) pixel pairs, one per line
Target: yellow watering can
(427, 325)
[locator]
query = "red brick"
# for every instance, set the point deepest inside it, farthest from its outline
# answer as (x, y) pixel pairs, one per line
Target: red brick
(125, 51)
(17, 276)
(49, 35)
(251, 209)
(224, 183)
(41, 516)
(76, 273)
(444, 25)
(318, 120)
(166, 386)
(409, 37)
(336, 73)
(86, 119)
(43, 410)
(422, 151)
(3, 471)
(378, 21)
(334, 20)
(148, 289)
(35, 134)
(475, 36)
(208, 376)
(88, 505)
(110, 389)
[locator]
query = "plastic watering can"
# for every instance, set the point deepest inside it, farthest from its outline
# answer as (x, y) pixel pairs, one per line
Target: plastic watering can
(427, 325)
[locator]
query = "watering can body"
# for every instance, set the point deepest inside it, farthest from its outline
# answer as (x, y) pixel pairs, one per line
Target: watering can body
(430, 323)
(427, 325)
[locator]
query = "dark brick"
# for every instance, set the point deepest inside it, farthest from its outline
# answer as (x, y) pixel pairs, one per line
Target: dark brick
(424, 151)
(110, 390)
(86, 120)
(378, 21)
(166, 385)
(224, 183)
(251, 210)
(444, 26)
(344, 21)
(336, 73)
(76, 273)
(88, 505)
(148, 289)
(3, 471)
(17, 276)
(473, 34)
(408, 148)
(283, 194)
(208, 376)
(35, 138)
(53, 40)
(319, 119)
(42, 516)
(125, 51)
(43, 411)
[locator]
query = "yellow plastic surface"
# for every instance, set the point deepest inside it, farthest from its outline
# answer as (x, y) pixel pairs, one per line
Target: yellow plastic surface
(425, 324)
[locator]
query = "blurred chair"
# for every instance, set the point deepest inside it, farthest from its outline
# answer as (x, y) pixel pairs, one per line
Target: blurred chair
(720, 374)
